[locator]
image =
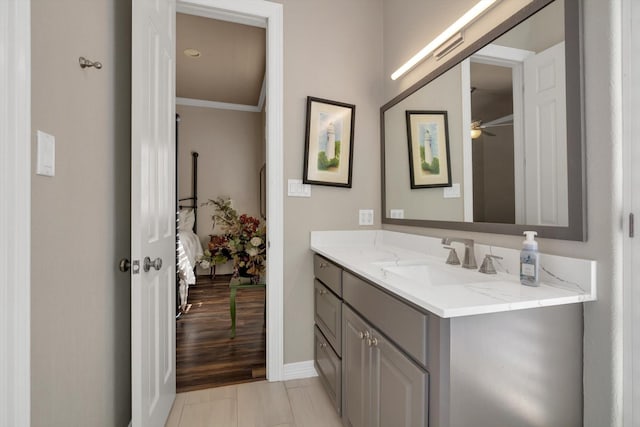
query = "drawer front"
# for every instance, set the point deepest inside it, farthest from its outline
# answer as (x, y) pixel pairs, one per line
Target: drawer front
(405, 325)
(328, 315)
(328, 273)
(329, 368)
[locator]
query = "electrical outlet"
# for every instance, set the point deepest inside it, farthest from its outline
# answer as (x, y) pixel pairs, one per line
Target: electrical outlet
(397, 213)
(366, 217)
(452, 192)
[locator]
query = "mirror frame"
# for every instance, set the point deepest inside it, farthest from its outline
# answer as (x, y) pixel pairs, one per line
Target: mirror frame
(577, 228)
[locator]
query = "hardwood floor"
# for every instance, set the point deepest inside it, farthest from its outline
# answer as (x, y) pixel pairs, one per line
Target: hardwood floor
(205, 355)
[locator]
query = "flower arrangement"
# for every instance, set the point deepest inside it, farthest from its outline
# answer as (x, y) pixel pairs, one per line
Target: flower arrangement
(242, 241)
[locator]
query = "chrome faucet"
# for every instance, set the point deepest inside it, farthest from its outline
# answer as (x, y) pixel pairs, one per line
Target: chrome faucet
(469, 260)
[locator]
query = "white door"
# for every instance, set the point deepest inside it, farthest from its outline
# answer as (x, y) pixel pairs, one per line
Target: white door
(153, 212)
(546, 193)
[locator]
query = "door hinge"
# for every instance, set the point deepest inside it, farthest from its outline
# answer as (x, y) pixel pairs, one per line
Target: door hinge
(631, 226)
(135, 266)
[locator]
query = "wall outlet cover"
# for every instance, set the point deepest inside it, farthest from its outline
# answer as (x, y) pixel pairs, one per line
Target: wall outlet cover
(365, 217)
(397, 213)
(452, 192)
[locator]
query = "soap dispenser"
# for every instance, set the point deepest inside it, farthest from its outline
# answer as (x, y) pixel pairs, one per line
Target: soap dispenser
(529, 260)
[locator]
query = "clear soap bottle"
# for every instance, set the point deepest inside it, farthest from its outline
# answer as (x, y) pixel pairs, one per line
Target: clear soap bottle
(530, 260)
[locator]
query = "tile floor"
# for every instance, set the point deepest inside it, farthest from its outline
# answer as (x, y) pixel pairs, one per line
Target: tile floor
(295, 403)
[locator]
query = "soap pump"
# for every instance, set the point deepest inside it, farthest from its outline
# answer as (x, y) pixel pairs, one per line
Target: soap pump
(529, 260)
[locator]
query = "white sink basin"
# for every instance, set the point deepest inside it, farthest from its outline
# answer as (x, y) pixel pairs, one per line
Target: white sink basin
(428, 274)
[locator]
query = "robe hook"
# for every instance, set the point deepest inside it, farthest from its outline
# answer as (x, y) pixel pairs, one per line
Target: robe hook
(84, 63)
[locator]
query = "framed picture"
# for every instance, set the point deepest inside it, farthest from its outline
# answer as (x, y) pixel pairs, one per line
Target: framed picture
(328, 152)
(428, 136)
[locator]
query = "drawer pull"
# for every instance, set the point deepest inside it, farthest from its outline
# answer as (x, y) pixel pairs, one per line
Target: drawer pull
(323, 345)
(322, 291)
(364, 335)
(373, 342)
(324, 265)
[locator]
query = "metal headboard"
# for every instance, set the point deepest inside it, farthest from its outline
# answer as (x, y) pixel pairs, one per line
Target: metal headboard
(194, 197)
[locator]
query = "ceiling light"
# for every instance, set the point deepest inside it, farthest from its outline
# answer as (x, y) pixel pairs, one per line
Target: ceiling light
(192, 53)
(454, 28)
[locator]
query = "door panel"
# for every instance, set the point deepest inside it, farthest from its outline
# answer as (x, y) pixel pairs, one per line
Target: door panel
(400, 388)
(546, 182)
(152, 211)
(355, 357)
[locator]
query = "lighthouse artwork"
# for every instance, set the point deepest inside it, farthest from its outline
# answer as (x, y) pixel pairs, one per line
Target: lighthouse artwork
(428, 139)
(329, 143)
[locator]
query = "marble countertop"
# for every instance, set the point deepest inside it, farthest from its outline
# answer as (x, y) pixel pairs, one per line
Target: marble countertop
(367, 253)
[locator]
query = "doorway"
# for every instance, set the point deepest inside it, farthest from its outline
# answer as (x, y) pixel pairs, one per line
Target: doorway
(269, 16)
(220, 97)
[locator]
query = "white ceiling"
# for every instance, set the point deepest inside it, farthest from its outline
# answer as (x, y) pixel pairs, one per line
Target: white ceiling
(231, 66)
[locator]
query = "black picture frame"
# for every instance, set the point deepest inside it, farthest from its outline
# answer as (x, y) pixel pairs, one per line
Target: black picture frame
(328, 158)
(429, 167)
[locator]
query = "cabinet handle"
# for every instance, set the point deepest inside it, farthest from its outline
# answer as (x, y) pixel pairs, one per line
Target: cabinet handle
(323, 345)
(324, 265)
(364, 335)
(322, 291)
(374, 342)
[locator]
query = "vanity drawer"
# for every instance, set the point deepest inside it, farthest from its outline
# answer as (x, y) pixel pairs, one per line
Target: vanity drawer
(328, 273)
(403, 324)
(329, 368)
(328, 315)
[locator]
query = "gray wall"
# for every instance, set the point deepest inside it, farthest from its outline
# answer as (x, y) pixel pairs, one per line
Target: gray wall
(603, 318)
(332, 50)
(80, 303)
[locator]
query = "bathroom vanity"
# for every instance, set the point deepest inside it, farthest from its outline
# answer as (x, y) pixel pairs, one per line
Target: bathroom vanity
(403, 339)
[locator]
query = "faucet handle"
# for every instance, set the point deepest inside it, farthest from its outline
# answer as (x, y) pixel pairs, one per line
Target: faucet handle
(487, 266)
(453, 256)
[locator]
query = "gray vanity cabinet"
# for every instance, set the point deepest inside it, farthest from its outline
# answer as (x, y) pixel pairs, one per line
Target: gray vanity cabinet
(382, 386)
(328, 327)
(396, 364)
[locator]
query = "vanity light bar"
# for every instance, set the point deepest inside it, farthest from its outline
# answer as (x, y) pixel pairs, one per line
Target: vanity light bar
(463, 21)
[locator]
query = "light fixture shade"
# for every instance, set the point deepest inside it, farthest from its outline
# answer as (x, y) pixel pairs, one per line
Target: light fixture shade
(454, 28)
(475, 133)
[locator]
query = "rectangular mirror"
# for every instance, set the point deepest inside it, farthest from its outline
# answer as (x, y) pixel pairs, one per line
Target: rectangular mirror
(514, 130)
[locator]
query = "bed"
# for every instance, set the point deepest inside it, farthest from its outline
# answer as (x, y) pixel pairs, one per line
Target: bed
(188, 245)
(189, 251)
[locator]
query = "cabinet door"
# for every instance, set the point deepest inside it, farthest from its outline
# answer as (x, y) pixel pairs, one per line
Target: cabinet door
(356, 370)
(399, 388)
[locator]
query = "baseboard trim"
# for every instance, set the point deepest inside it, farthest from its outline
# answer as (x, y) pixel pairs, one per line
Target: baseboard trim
(298, 370)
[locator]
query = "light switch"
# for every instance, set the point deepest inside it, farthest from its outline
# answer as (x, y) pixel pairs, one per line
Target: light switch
(298, 189)
(46, 154)
(452, 192)
(365, 217)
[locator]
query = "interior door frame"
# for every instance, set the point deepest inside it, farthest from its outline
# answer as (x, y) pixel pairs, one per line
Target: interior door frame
(513, 58)
(631, 204)
(268, 15)
(15, 212)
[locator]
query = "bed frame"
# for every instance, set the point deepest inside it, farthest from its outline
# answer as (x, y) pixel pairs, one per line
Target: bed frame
(194, 195)
(189, 203)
